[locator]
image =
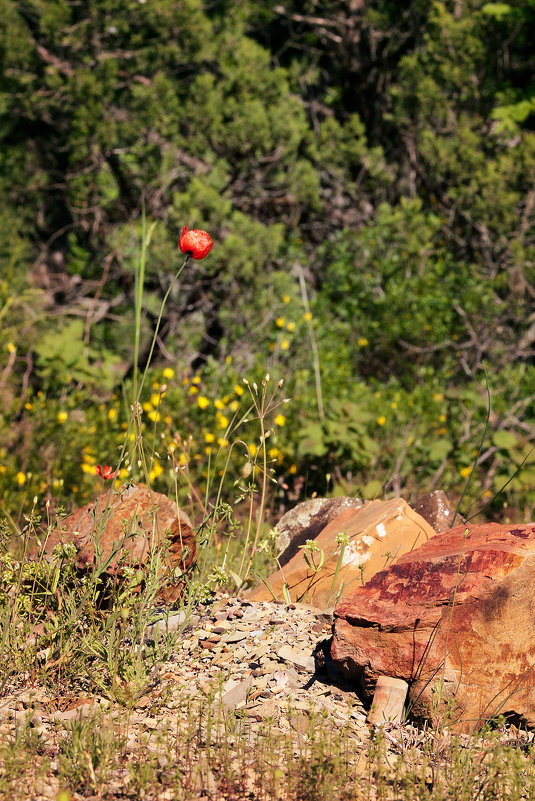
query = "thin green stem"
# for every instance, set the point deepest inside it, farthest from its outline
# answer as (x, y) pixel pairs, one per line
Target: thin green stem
(476, 460)
(146, 236)
(313, 344)
(157, 328)
(260, 515)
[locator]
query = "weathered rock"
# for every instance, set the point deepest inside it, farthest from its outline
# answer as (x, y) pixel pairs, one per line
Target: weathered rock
(437, 510)
(378, 533)
(306, 520)
(122, 527)
(455, 619)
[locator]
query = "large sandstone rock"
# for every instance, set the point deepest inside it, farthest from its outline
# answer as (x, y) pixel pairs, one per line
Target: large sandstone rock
(122, 527)
(378, 533)
(306, 520)
(456, 620)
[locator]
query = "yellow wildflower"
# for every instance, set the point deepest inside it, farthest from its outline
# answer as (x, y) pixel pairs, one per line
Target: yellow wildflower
(156, 471)
(168, 372)
(209, 437)
(293, 469)
(285, 298)
(362, 342)
(290, 326)
(196, 379)
(155, 399)
(280, 420)
(238, 389)
(381, 420)
(11, 347)
(219, 404)
(20, 478)
(222, 421)
(465, 471)
(154, 416)
(203, 401)
(285, 344)
(112, 414)
(62, 416)
(307, 316)
(279, 322)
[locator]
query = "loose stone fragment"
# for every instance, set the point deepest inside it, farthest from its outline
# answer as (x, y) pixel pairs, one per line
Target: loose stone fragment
(237, 696)
(296, 658)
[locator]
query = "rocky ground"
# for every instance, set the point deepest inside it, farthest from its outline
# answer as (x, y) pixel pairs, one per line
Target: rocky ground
(262, 661)
(238, 671)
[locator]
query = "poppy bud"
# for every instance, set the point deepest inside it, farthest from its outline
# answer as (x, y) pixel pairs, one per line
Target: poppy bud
(196, 243)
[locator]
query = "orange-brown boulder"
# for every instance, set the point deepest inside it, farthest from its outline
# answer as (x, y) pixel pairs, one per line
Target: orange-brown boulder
(454, 618)
(124, 527)
(378, 533)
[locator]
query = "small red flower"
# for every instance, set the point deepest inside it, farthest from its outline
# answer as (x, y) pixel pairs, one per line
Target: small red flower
(196, 243)
(106, 472)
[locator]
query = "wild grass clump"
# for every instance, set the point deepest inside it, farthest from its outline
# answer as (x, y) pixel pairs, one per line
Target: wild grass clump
(200, 749)
(62, 628)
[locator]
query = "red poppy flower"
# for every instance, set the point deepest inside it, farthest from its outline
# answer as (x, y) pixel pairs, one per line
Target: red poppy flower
(196, 243)
(106, 472)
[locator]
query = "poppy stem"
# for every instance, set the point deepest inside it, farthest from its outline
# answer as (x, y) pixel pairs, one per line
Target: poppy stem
(157, 328)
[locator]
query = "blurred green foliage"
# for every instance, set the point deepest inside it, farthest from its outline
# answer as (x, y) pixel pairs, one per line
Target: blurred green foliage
(367, 176)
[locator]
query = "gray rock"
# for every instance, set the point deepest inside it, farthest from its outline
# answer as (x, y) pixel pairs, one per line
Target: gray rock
(437, 511)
